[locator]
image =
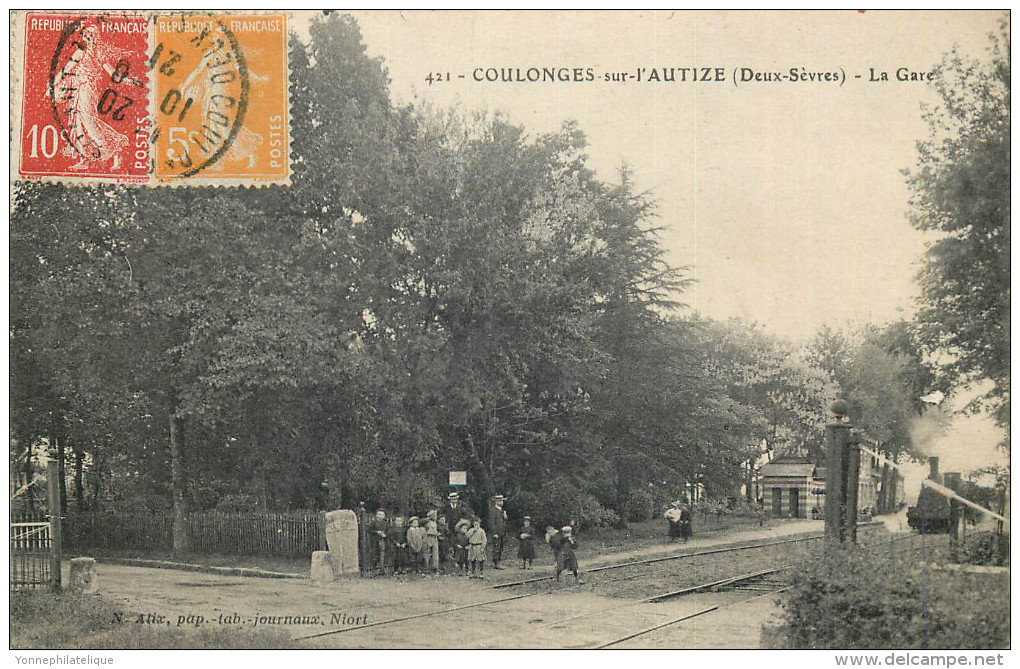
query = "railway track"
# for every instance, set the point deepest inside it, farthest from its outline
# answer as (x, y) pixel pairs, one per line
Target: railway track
(667, 558)
(750, 580)
(759, 584)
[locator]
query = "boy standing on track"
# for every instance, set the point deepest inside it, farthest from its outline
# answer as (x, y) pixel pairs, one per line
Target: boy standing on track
(377, 541)
(526, 549)
(444, 541)
(431, 547)
(461, 543)
(476, 547)
(415, 543)
(396, 544)
(564, 543)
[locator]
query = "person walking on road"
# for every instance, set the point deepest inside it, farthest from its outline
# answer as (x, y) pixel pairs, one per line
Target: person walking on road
(686, 522)
(563, 544)
(673, 515)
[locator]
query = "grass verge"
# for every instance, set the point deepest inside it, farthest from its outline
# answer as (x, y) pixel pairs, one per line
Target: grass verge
(43, 620)
(881, 599)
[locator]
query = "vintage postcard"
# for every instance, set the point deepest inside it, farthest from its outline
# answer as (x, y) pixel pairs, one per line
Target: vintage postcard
(531, 330)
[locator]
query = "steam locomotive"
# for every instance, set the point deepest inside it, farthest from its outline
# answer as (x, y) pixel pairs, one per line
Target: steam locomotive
(931, 514)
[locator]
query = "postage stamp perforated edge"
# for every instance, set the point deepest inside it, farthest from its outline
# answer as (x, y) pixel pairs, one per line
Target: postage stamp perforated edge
(259, 125)
(18, 35)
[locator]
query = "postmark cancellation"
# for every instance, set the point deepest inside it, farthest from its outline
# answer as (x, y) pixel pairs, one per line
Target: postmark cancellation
(150, 99)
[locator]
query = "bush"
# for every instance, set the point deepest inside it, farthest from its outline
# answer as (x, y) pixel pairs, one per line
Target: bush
(984, 549)
(150, 502)
(239, 502)
(639, 506)
(562, 502)
(709, 508)
(856, 599)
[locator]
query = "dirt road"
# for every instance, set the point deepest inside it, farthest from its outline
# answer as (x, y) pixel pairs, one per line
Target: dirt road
(301, 608)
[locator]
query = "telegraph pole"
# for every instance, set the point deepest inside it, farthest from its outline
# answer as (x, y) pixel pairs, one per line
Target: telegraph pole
(53, 496)
(953, 482)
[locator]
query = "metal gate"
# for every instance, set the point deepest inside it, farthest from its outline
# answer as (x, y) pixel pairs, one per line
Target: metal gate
(32, 555)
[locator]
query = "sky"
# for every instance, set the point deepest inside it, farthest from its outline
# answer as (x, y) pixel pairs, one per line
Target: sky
(786, 199)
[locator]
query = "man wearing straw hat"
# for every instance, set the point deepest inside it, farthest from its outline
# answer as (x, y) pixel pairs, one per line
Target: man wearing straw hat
(456, 510)
(497, 529)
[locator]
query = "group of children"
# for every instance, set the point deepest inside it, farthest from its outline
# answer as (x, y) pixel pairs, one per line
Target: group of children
(425, 544)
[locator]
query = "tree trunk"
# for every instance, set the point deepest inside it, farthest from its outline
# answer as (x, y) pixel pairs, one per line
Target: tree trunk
(79, 476)
(404, 490)
(29, 494)
(178, 484)
(61, 474)
(96, 482)
(488, 486)
(749, 483)
(190, 463)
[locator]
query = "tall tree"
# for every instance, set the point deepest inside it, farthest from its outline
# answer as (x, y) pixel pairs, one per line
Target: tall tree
(961, 193)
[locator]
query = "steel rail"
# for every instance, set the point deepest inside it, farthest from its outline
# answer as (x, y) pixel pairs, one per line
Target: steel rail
(681, 619)
(716, 584)
(414, 617)
(682, 556)
(617, 607)
(428, 614)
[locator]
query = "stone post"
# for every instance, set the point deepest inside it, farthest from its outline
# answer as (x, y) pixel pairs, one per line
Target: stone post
(853, 485)
(837, 435)
(322, 567)
(842, 477)
(83, 579)
(342, 540)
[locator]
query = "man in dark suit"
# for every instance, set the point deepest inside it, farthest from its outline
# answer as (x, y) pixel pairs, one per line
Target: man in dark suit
(497, 529)
(456, 511)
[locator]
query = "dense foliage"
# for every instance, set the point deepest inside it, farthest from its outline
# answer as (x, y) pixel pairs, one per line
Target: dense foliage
(874, 599)
(961, 194)
(436, 291)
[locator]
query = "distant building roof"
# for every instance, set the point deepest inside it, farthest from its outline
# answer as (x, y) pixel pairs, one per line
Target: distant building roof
(788, 469)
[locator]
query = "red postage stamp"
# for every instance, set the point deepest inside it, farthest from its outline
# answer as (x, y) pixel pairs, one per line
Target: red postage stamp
(83, 98)
(151, 98)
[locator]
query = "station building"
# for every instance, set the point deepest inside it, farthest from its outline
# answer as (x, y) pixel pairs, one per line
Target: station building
(794, 486)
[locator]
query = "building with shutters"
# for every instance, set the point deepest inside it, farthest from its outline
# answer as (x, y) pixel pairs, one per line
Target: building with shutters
(794, 487)
(787, 483)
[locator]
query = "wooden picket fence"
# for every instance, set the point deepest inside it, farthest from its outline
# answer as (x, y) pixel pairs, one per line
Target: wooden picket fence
(292, 534)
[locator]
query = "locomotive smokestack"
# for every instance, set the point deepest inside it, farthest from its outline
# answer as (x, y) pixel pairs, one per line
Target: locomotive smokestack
(933, 466)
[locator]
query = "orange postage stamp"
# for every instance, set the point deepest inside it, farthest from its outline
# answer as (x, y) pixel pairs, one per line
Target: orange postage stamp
(221, 98)
(151, 98)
